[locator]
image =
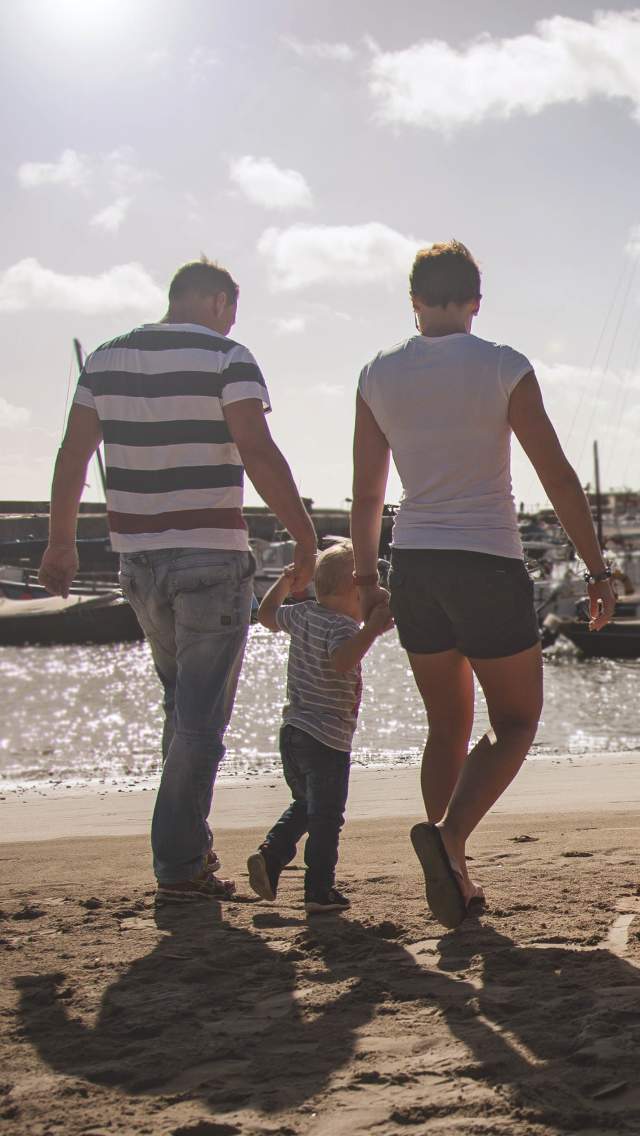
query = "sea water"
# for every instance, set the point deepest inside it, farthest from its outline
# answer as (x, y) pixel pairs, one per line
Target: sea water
(80, 713)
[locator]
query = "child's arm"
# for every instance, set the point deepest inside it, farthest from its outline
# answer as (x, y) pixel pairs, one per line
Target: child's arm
(350, 653)
(272, 600)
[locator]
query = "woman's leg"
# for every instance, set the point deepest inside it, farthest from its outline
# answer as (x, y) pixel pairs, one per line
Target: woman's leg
(513, 690)
(445, 682)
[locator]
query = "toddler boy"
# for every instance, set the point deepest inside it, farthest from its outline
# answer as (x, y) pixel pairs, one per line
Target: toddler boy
(324, 688)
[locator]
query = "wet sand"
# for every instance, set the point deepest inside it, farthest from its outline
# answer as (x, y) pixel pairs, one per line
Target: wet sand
(250, 1018)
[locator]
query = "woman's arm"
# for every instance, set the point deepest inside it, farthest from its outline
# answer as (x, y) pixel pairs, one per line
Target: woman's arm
(534, 431)
(371, 455)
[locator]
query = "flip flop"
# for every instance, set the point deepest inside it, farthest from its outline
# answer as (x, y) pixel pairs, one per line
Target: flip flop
(444, 893)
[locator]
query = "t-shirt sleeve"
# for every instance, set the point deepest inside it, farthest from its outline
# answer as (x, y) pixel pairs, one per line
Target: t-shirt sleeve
(339, 632)
(363, 384)
(285, 617)
(242, 378)
(513, 367)
(84, 393)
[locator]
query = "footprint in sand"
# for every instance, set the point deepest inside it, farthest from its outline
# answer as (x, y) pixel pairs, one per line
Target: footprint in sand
(618, 938)
(617, 941)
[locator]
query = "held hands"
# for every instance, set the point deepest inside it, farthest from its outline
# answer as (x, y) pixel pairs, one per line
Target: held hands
(602, 602)
(58, 568)
(380, 618)
(373, 595)
(303, 567)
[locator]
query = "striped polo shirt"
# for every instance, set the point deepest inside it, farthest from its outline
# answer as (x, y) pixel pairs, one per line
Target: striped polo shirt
(174, 474)
(319, 700)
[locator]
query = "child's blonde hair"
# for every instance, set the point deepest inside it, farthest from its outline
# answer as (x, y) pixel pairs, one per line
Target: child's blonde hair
(334, 570)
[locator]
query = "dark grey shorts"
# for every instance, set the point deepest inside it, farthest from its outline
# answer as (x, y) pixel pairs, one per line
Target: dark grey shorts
(482, 605)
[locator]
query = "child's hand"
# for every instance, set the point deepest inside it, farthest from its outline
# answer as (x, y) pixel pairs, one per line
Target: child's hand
(380, 619)
(287, 578)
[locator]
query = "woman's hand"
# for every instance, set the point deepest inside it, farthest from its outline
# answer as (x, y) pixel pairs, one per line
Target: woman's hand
(602, 603)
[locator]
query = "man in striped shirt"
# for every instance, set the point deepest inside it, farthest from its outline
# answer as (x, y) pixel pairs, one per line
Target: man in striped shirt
(181, 408)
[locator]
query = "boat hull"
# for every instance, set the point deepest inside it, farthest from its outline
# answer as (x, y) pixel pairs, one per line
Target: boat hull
(101, 620)
(618, 640)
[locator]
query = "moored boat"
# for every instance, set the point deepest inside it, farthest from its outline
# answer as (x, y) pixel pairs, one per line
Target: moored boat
(77, 619)
(620, 639)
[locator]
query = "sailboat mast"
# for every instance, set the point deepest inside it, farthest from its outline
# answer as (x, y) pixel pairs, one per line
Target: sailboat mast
(596, 467)
(80, 359)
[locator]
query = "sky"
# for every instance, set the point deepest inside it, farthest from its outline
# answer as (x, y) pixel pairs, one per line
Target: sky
(311, 149)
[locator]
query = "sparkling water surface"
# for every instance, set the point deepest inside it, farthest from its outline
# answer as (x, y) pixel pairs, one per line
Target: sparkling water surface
(79, 713)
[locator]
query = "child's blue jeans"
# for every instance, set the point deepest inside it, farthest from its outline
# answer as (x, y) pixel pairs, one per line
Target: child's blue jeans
(318, 777)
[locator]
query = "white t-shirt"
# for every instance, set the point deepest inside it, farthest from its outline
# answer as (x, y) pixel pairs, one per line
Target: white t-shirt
(442, 403)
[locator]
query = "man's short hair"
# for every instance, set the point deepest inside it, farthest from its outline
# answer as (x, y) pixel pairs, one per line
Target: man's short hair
(444, 274)
(334, 569)
(204, 277)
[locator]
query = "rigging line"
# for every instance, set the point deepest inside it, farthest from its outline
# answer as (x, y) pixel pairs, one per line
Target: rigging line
(598, 345)
(66, 398)
(611, 348)
(633, 445)
(626, 383)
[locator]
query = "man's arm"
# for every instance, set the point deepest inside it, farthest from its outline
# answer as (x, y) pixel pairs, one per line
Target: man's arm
(271, 476)
(371, 457)
(60, 560)
(534, 431)
(273, 599)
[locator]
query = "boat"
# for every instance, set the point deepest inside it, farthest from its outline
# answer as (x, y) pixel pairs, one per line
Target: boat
(19, 584)
(106, 618)
(620, 639)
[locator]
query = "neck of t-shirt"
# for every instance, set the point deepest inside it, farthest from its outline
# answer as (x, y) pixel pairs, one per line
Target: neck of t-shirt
(445, 335)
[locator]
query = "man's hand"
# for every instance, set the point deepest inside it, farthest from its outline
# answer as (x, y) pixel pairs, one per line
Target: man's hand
(58, 568)
(373, 595)
(602, 602)
(300, 573)
(380, 619)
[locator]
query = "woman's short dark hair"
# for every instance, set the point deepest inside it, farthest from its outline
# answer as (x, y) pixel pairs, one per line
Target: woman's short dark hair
(444, 274)
(204, 277)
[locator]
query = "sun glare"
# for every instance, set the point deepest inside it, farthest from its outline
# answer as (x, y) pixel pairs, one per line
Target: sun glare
(86, 19)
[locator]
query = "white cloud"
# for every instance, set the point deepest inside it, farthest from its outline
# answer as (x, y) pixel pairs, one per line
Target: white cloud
(264, 183)
(328, 390)
(29, 285)
(71, 169)
(192, 206)
(200, 63)
(564, 60)
(11, 415)
(570, 377)
(290, 325)
(331, 52)
(632, 246)
(119, 171)
(156, 58)
(111, 218)
(303, 255)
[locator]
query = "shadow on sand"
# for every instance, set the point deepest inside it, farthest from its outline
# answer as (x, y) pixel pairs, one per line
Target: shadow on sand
(217, 1014)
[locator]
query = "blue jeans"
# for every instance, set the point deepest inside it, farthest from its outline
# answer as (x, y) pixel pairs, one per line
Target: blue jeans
(318, 777)
(194, 606)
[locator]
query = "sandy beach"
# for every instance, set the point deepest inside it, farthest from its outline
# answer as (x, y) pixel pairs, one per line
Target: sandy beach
(250, 1018)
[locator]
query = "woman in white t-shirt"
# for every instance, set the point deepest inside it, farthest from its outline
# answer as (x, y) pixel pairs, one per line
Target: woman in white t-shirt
(444, 404)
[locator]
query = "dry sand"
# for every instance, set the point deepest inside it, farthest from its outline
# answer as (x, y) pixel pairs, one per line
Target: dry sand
(249, 1018)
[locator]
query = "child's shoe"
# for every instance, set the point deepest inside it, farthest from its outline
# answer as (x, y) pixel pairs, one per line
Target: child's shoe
(264, 872)
(331, 900)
